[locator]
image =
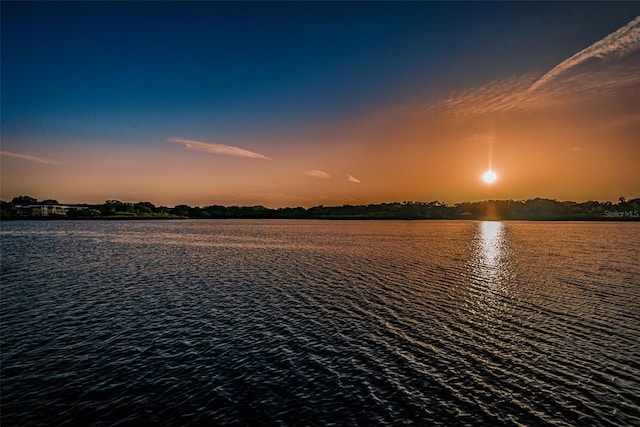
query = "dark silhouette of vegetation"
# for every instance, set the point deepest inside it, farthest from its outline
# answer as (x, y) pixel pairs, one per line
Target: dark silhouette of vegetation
(24, 200)
(532, 209)
(8, 210)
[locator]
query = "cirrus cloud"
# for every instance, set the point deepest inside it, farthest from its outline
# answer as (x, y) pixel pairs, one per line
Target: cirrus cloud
(616, 45)
(353, 179)
(557, 86)
(212, 148)
(29, 158)
(503, 96)
(315, 173)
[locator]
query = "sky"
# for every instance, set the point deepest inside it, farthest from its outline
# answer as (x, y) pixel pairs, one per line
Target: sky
(308, 103)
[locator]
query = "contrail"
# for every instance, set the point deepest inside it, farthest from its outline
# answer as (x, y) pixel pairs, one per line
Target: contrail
(616, 45)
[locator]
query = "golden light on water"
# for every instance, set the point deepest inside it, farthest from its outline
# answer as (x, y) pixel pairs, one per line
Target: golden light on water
(490, 263)
(491, 236)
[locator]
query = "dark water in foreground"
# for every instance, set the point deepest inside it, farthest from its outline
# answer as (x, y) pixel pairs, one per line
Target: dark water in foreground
(320, 323)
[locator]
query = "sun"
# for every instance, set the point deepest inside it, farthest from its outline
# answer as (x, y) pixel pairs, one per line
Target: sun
(489, 177)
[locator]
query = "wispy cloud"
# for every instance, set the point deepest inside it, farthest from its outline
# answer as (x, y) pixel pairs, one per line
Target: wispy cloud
(29, 158)
(616, 45)
(353, 179)
(555, 87)
(514, 94)
(317, 174)
(211, 148)
(494, 97)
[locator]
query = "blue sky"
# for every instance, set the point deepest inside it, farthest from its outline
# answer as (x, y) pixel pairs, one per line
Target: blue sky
(124, 74)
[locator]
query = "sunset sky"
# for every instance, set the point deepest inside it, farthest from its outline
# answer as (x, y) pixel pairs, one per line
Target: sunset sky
(300, 104)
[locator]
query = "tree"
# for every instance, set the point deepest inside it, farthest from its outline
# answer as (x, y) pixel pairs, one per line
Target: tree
(116, 207)
(181, 210)
(8, 210)
(24, 200)
(144, 208)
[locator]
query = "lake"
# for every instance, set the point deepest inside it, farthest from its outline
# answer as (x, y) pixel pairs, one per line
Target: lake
(274, 322)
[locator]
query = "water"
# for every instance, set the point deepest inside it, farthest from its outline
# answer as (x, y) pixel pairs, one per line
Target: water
(320, 323)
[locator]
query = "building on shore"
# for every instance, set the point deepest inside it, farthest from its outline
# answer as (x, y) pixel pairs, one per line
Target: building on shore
(42, 210)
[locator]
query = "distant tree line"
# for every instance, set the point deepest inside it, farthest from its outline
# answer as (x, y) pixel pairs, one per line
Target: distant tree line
(532, 209)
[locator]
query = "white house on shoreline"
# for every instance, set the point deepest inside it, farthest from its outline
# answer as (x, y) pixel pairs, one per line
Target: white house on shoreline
(45, 210)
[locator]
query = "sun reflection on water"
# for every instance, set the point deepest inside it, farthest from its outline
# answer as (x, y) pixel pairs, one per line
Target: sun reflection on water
(490, 245)
(490, 261)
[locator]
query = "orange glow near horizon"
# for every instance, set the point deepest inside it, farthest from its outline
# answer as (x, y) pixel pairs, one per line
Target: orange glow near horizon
(556, 145)
(233, 117)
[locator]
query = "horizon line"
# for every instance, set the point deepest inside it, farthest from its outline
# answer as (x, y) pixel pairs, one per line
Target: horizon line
(39, 202)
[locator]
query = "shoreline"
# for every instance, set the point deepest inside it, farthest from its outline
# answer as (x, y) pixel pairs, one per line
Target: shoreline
(29, 208)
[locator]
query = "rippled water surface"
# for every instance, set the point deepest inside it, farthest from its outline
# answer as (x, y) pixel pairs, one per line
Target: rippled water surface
(320, 323)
